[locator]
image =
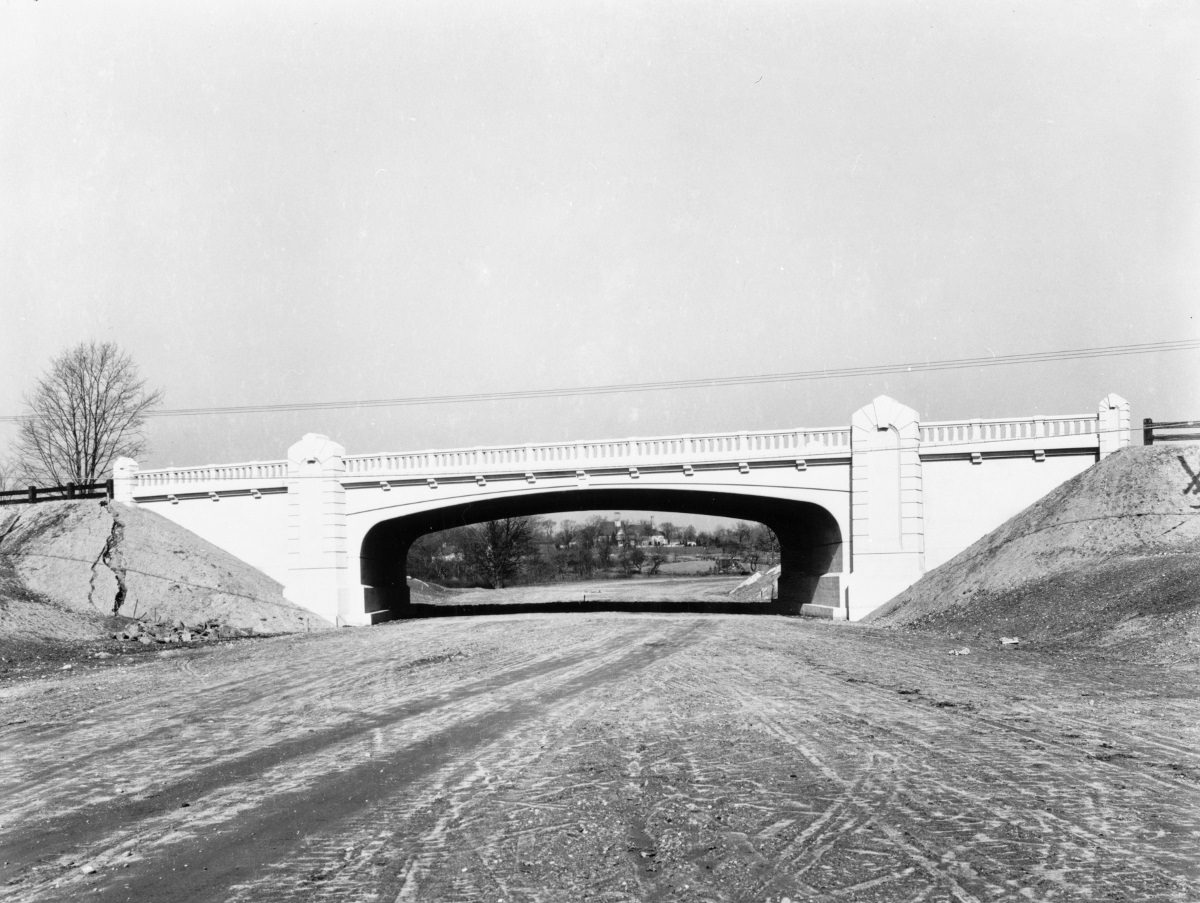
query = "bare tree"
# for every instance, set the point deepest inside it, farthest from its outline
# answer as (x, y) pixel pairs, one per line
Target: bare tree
(495, 549)
(567, 531)
(86, 411)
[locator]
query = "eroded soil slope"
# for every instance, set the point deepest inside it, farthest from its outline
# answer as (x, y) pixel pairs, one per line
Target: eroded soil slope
(1110, 559)
(67, 568)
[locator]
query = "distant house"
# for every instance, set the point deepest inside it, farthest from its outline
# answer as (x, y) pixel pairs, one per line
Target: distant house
(620, 537)
(629, 536)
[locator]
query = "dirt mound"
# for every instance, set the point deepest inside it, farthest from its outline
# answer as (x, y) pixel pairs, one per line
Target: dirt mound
(1110, 560)
(70, 570)
(759, 586)
(420, 591)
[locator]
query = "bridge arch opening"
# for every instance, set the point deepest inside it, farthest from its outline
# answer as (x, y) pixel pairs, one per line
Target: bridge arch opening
(810, 540)
(582, 547)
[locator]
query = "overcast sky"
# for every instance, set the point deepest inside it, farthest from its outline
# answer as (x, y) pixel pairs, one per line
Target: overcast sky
(303, 202)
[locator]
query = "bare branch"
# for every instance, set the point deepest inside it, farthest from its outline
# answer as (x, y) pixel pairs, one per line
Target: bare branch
(86, 411)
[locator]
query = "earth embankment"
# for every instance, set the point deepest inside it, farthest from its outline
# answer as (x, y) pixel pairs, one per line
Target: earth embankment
(1110, 560)
(68, 569)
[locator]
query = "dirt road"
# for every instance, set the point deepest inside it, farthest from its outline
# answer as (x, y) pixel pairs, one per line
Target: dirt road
(640, 589)
(602, 757)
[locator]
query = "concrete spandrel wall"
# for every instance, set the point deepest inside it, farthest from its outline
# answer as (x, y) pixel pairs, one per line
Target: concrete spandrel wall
(255, 530)
(965, 501)
(826, 486)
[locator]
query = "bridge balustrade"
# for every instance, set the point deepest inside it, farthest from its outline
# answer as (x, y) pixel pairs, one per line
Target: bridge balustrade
(256, 472)
(675, 449)
(997, 431)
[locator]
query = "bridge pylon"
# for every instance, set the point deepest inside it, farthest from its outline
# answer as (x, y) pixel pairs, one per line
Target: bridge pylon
(318, 563)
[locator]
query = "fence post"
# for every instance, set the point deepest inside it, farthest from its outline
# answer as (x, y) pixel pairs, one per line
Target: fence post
(70, 490)
(108, 488)
(1147, 431)
(32, 494)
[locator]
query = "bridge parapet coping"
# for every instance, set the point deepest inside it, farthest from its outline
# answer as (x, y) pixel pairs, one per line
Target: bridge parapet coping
(607, 453)
(966, 438)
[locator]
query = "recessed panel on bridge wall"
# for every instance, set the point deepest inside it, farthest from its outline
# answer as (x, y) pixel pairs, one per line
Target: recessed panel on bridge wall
(253, 529)
(883, 501)
(965, 501)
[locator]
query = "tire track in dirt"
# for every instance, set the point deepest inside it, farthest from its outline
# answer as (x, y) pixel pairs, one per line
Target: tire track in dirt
(452, 802)
(342, 708)
(1084, 834)
(75, 788)
(683, 758)
(206, 861)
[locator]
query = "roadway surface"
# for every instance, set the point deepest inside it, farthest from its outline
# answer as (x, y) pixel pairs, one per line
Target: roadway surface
(602, 757)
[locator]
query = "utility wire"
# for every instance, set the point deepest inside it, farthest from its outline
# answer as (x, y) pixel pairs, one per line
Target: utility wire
(678, 384)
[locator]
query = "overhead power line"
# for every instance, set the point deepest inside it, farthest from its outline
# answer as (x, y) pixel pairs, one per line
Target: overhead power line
(996, 360)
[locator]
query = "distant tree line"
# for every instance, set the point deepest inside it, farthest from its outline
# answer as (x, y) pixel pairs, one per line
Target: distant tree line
(526, 550)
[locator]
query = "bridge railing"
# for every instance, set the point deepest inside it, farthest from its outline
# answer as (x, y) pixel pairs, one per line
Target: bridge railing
(1169, 431)
(1050, 432)
(612, 452)
(250, 474)
(1054, 431)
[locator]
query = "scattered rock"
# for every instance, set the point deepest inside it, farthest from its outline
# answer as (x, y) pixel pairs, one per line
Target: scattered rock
(1009, 640)
(179, 632)
(963, 651)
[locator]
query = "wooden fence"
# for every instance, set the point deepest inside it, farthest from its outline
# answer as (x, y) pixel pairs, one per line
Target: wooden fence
(1170, 431)
(36, 494)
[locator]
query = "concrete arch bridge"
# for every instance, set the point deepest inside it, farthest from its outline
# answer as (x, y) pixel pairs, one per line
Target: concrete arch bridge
(861, 510)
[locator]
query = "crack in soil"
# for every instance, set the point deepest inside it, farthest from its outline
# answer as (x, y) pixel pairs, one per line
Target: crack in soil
(12, 525)
(112, 559)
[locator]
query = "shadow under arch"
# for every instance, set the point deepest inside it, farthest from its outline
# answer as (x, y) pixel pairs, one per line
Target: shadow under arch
(810, 541)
